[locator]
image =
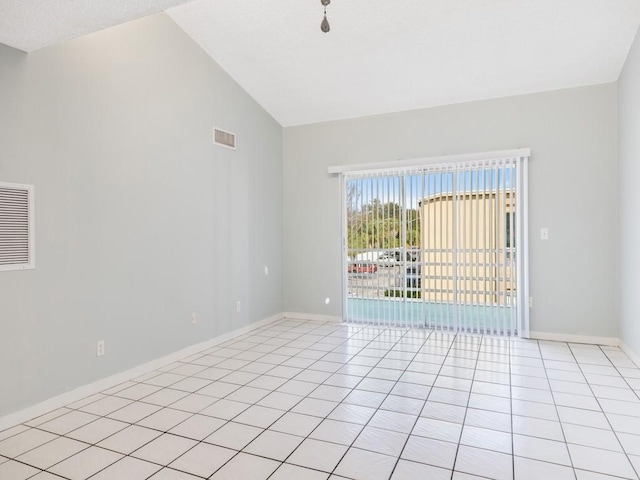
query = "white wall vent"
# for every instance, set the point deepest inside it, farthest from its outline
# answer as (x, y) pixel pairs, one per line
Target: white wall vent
(16, 227)
(224, 139)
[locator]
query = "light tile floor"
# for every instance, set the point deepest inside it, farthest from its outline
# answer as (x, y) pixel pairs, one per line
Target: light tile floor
(305, 400)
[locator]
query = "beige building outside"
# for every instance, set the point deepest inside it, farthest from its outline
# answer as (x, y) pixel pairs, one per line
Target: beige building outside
(468, 248)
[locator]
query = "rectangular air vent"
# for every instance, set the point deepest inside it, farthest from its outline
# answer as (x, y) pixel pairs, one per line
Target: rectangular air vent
(224, 139)
(16, 227)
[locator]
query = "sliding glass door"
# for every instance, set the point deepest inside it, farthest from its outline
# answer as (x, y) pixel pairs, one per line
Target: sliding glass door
(441, 245)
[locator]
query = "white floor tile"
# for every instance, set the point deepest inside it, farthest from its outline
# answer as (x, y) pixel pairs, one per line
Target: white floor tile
(289, 472)
(296, 424)
(441, 411)
(404, 417)
(365, 465)
(267, 382)
(399, 422)
(98, 430)
(487, 439)
(381, 441)
(541, 449)
(16, 471)
(106, 405)
(162, 379)
(193, 403)
(51, 453)
(630, 443)
(234, 435)
(535, 410)
(484, 463)
(585, 475)
(164, 449)
(249, 395)
(164, 420)
(527, 469)
(437, 429)
(536, 427)
(258, 416)
(203, 459)
(315, 407)
(68, 422)
(36, 421)
(618, 407)
(190, 384)
(430, 451)
(318, 455)
(129, 439)
(247, 467)
(24, 441)
(45, 476)
(198, 427)
(239, 378)
(225, 409)
(86, 463)
(576, 401)
(128, 468)
(620, 423)
(336, 431)
(601, 461)
(134, 412)
(297, 387)
(490, 403)
(592, 437)
(406, 470)
(332, 393)
(274, 445)
(366, 399)
(280, 400)
(586, 418)
(138, 391)
(411, 390)
(488, 419)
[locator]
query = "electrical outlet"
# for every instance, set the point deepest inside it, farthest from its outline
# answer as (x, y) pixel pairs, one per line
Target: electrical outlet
(100, 348)
(238, 306)
(544, 233)
(194, 318)
(266, 270)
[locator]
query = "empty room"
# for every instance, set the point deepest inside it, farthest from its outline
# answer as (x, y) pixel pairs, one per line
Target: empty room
(319, 239)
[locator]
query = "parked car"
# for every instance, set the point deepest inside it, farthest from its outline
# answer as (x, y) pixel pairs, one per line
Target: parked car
(362, 268)
(394, 257)
(414, 276)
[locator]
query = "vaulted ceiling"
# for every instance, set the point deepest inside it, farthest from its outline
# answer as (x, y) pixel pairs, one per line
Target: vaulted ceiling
(379, 57)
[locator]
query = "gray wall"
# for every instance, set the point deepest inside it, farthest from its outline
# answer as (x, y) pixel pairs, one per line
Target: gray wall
(140, 220)
(629, 197)
(573, 183)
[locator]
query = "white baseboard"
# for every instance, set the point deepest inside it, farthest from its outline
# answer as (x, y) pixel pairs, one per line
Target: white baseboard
(98, 386)
(313, 317)
(630, 353)
(567, 337)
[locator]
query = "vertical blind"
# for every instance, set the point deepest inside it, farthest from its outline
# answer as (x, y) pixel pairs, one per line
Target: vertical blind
(439, 245)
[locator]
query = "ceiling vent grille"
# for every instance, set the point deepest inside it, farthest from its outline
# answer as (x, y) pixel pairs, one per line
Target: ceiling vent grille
(224, 139)
(16, 227)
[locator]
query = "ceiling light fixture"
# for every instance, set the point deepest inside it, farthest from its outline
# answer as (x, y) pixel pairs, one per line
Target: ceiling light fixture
(324, 26)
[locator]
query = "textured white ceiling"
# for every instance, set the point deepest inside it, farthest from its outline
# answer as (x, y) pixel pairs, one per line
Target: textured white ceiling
(31, 24)
(380, 56)
(387, 56)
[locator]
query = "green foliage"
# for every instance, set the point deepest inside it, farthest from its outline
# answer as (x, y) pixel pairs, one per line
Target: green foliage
(376, 225)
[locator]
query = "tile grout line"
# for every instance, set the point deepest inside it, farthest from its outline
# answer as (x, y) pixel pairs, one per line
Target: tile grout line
(624, 450)
(555, 406)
